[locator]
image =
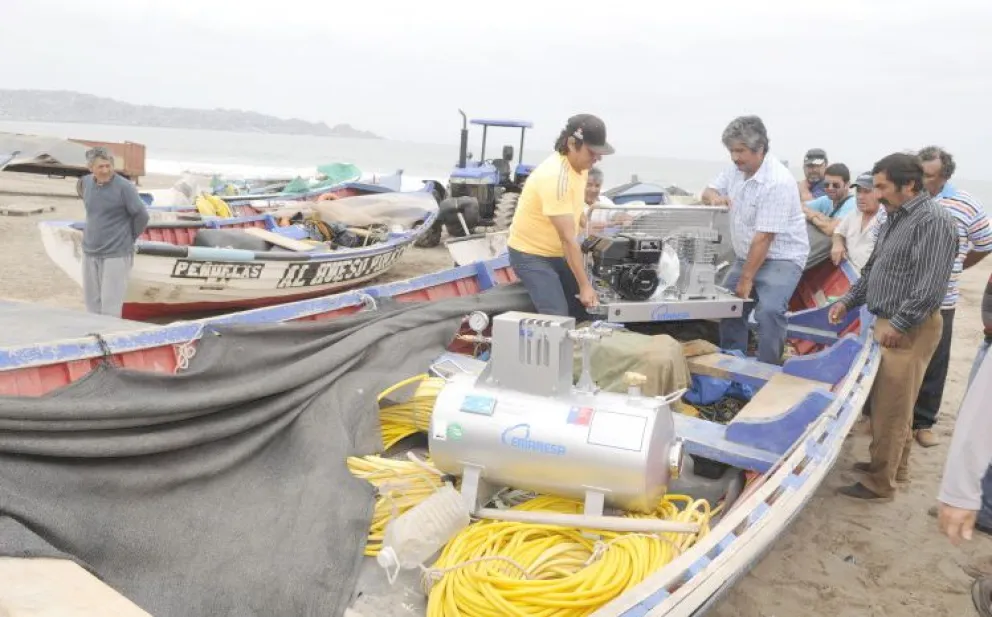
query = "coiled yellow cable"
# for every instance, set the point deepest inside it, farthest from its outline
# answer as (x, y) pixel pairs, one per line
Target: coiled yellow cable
(401, 485)
(404, 419)
(509, 569)
(558, 572)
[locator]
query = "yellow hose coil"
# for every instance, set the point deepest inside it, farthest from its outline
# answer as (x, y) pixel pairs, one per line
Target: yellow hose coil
(401, 485)
(509, 569)
(413, 416)
(555, 572)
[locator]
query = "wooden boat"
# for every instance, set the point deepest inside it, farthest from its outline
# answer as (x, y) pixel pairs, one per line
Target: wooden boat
(786, 439)
(184, 267)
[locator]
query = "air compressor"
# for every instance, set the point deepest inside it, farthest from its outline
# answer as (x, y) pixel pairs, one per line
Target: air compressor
(523, 423)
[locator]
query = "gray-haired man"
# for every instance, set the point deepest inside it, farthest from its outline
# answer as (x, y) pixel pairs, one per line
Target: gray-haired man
(115, 217)
(768, 231)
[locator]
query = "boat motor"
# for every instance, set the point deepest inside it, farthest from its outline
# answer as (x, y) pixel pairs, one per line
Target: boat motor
(522, 422)
(626, 263)
(660, 266)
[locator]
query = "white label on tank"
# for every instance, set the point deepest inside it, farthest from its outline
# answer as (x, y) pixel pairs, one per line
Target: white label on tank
(513, 408)
(440, 430)
(617, 430)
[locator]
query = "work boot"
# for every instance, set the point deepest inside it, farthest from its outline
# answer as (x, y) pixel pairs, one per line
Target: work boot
(926, 437)
(902, 475)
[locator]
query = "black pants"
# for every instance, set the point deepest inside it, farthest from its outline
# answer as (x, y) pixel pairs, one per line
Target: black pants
(932, 390)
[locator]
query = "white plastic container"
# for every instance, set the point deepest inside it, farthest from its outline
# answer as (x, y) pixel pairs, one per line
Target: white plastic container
(414, 536)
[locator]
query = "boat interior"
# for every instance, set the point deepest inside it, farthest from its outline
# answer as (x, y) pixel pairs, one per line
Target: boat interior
(345, 223)
(738, 417)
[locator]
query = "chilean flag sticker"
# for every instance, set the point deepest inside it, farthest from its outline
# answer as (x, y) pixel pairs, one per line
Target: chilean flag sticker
(580, 416)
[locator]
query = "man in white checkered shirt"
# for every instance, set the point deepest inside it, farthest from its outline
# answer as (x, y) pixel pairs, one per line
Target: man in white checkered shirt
(768, 231)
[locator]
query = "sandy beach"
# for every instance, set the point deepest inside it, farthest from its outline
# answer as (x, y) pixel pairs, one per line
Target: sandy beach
(840, 558)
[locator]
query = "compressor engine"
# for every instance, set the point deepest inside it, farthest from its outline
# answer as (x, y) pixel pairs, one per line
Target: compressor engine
(626, 263)
(522, 422)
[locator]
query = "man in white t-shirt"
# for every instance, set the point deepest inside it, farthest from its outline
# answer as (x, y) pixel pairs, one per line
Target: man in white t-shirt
(854, 237)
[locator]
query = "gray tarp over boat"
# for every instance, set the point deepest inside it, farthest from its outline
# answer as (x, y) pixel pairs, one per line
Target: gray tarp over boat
(38, 150)
(405, 209)
(222, 491)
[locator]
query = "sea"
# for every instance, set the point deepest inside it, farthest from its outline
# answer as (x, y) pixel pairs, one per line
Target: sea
(254, 155)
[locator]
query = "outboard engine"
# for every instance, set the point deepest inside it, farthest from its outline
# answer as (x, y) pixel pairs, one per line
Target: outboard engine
(522, 423)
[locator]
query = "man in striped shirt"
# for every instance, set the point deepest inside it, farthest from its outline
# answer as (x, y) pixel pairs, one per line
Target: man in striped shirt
(974, 243)
(902, 284)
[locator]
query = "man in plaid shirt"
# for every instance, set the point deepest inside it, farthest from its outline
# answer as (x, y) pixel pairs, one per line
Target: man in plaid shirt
(768, 231)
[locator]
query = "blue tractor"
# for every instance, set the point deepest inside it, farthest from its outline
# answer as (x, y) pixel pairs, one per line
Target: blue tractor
(484, 192)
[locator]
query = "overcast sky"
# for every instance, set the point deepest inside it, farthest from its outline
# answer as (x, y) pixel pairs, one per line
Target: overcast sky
(860, 79)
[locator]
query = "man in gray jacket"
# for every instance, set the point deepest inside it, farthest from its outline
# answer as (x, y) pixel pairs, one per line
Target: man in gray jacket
(962, 505)
(115, 217)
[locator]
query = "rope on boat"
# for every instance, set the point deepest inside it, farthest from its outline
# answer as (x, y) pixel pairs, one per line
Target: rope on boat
(368, 301)
(106, 355)
(186, 351)
(500, 568)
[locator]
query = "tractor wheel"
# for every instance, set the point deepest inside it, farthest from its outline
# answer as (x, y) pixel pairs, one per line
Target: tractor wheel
(430, 238)
(505, 208)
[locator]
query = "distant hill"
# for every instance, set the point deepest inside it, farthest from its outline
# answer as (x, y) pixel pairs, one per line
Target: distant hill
(65, 106)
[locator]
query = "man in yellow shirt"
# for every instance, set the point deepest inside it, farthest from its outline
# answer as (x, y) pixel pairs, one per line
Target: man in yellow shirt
(543, 240)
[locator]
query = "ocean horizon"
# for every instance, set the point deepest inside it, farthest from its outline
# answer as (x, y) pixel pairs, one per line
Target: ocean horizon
(176, 151)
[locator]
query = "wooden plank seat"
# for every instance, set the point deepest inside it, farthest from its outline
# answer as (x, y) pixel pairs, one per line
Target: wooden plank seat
(725, 366)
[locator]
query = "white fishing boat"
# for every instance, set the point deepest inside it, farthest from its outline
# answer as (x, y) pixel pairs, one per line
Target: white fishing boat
(223, 264)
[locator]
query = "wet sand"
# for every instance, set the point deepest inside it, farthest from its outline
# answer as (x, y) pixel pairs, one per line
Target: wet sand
(840, 558)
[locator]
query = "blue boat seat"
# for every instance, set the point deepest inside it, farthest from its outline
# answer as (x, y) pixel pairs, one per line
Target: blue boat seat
(779, 413)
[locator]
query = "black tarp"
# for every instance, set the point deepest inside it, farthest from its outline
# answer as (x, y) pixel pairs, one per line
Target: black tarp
(224, 490)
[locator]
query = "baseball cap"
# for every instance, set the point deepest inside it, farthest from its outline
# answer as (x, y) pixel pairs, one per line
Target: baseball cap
(815, 156)
(864, 181)
(591, 131)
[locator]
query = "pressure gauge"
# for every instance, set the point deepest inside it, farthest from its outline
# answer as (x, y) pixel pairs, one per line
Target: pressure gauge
(478, 321)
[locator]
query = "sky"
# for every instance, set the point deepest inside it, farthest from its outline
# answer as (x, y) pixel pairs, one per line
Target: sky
(860, 79)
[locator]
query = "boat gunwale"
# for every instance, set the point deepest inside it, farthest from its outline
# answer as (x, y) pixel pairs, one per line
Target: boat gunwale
(184, 332)
(821, 443)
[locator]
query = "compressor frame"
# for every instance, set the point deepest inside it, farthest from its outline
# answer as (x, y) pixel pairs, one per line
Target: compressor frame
(694, 234)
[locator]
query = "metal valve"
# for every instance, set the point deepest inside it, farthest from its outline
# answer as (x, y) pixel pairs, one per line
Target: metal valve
(634, 380)
(593, 332)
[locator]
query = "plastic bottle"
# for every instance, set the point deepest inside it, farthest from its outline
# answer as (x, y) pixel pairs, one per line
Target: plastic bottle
(421, 531)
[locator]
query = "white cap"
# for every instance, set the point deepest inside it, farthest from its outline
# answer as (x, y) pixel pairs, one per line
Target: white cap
(390, 562)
